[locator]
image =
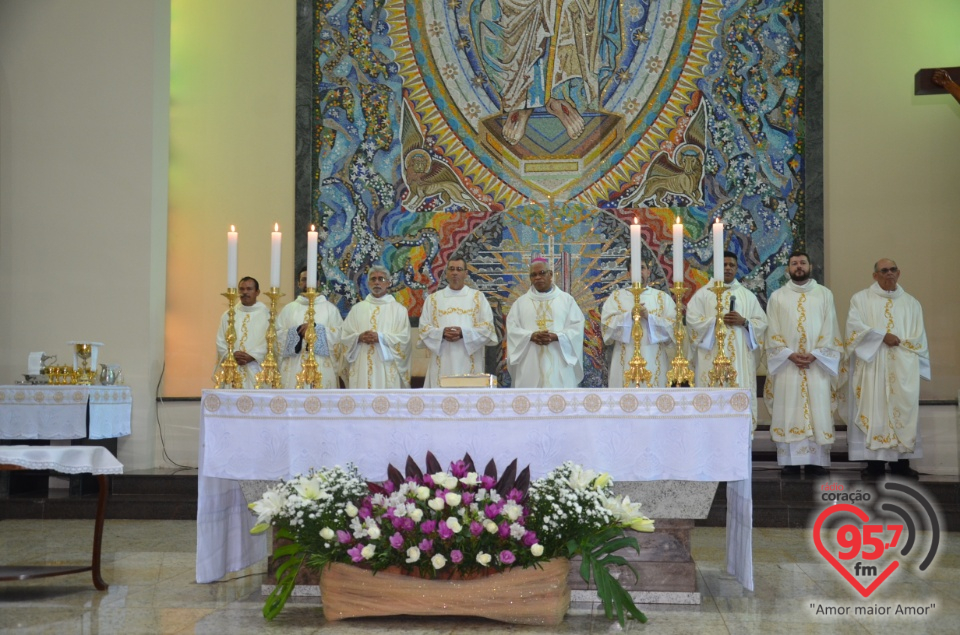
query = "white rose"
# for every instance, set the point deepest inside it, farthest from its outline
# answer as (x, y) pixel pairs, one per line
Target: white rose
(452, 499)
(472, 478)
(536, 550)
(413, 554)
(326, 533)
(374, 532)
(440, 479)
(438, 561)
(367, 552)
(512, 510)
(454, 525)
(416, 515)
(490, 526)
(483, 558)
(450, 482)
(436, 504)
(423, 492)
(352, 510)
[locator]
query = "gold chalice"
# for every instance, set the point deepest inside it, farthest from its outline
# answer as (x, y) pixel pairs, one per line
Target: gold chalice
(84, 351)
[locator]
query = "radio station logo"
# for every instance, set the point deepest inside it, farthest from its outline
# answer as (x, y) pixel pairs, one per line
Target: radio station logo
(867, 536)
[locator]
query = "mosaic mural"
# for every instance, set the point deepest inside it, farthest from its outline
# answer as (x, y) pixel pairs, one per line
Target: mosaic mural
(502, 130)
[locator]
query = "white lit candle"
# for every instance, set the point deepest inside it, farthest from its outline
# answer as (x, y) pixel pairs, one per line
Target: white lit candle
(636, 253)
(232, 258)
(678, 251)
(718, 250)
(312, 258)
(275, 237)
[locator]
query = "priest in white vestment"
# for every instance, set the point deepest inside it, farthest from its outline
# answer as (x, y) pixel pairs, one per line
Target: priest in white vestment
(658, 315)
(456, 325)
(545, 335)
(803, 348)
(745, 325)
(251, 320)
(888, 351)
(291, 327)
(376, 338)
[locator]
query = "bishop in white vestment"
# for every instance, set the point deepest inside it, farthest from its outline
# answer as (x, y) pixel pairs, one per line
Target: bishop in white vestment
(328, 352)
(545, 335)
(888, 355)
(376, 338)
(745, 324)
(658, 316)
(251, 320)
(456, 325)
(803, 347)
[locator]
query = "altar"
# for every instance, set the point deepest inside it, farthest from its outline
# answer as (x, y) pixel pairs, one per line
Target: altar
(39, 412)
(685, 434)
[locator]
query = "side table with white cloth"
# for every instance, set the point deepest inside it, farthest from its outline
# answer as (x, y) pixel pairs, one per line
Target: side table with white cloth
(67, 460)
(78, 415)
(635, 435)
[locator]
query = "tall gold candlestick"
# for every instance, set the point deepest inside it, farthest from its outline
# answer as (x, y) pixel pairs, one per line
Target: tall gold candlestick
(310, 374)
(269, 375)
(723, 373)
(637, 373)
(679, 374)
(229, 375)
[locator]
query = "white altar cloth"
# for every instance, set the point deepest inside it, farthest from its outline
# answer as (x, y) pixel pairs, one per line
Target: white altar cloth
(635, 435)
(66, 459)
(60, 412)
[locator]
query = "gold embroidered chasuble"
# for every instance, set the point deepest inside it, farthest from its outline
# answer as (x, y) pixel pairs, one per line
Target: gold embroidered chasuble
(555, 365)
(657, 346)
(250, 324)
(802, 319)
(886, 379)
(465, 308)
(329, 358)
(385, 364)
(743, 344)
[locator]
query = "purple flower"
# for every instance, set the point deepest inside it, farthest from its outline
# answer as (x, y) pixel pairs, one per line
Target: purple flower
(389, 487)
(428, 480)
(396, 540)
(445, 531)
(458, 469)
(397, 522)
(475, 528)
(492, 510)
(344, 537)
(515, 495)
(456, 556)
(504, 530)
(467, 498)
(529, 539)
(426, 545)
(507, 557)
(355, 553)
(428, 526)
(487, 482)
(365, 512)
(408, 524)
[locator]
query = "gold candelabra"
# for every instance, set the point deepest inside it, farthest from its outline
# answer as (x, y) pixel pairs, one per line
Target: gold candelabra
(679, 374)
(269, 375)
(229, 375)
(723, 373)
(637, 373)
(310, 374)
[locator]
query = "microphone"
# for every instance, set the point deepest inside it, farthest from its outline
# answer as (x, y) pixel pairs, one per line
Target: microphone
(733, 301)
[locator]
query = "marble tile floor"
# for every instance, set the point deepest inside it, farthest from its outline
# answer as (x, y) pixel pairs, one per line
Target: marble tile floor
(149, 565)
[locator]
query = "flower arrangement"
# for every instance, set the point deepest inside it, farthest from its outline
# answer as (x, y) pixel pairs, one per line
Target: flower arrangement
(452, 523)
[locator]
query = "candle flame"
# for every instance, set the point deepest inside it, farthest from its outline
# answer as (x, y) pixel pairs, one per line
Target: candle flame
(312, 228)
(232, 228)
(276, 227)
(635, 221)
(678, 221)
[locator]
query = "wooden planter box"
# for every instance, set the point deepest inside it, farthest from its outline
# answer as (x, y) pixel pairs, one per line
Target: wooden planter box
(518, 596)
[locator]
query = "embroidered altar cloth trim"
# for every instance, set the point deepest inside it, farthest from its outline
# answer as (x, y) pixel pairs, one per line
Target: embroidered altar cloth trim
(60, 412)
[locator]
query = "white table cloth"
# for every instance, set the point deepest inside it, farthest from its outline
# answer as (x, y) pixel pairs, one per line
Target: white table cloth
(67, 459)
(60, 412)
(635, 435)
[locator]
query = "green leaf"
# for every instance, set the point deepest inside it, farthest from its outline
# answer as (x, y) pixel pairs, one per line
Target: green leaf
(285, 583)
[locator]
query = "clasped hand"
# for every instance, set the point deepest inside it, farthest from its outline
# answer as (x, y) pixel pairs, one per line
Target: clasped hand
(891, 340)
(802, 360)
(452, 333)
(543, 337)
(368, 337)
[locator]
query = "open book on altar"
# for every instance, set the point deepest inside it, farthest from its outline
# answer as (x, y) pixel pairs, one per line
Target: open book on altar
(482, 380)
